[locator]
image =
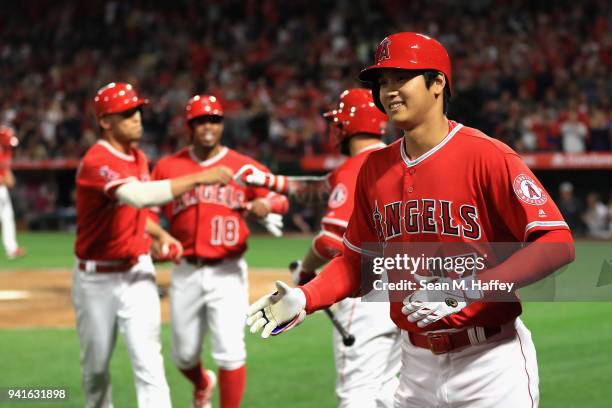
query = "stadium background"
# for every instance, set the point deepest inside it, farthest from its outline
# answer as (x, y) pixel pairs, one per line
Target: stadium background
(523, 71)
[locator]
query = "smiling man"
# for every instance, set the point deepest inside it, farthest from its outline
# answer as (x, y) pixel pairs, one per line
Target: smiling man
(442, 182)
(209, 286)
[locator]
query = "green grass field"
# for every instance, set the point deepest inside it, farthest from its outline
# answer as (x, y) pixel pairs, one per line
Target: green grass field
(573, 341)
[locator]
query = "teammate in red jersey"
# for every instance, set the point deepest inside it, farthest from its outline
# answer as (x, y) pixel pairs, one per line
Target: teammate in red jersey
(114, 278)
(209, 291)
(444, 183)
(366, 372)
(8, 142)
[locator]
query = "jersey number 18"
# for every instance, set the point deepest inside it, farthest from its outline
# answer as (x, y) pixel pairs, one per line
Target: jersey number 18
(225, 230)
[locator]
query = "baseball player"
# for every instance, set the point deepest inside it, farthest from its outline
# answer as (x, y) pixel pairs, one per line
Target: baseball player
(209, 293)
(8, 141)
(114, 278)
(366, 372)
(441, 182)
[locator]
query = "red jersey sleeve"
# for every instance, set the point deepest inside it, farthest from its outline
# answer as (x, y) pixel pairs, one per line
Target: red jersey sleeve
(5, 160)
(361, 233)
(341, 277)
(522, 203)
(341, 197)
(328, 243)
(102, 175)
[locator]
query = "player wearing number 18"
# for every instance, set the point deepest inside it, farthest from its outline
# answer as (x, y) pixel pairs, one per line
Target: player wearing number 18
(209, 287)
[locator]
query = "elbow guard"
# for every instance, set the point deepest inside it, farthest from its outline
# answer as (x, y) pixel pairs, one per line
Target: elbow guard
(141, 195)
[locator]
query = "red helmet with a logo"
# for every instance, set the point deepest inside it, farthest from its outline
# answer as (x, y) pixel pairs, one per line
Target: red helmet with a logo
(356, 113)
(410, 51)
(203, 105)
(7, 137)
(116, 97)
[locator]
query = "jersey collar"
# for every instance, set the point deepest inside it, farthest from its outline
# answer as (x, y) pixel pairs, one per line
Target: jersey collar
(374, 146)
(115, 152)
(210, 161)
(431, 152)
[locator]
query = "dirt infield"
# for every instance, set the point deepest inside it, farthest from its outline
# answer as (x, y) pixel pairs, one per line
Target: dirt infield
(37, 298)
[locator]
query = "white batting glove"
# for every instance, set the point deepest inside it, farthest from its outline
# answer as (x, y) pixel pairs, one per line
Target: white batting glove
(249, 175)
(244, 176)
(428, 306)
(273, 223)
(278, 312)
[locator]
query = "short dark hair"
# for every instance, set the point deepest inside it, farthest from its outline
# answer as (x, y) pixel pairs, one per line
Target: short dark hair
(430, 76)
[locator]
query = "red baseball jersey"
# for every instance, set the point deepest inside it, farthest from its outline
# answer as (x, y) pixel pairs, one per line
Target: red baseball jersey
(209, 220)
(6, 155)
(469, 188)
(107, 230)
(342, 183)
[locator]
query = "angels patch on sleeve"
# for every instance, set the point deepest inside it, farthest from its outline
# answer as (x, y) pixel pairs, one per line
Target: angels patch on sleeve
(338, 196)
(108, 174)
(528, 191)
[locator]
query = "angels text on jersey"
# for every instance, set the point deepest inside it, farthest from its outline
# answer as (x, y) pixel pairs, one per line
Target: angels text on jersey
(426, 216)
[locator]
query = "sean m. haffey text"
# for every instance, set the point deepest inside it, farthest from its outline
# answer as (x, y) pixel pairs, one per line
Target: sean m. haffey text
(442, 266)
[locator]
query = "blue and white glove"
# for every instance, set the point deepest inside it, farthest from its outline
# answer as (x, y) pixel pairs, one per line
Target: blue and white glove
(277, 312)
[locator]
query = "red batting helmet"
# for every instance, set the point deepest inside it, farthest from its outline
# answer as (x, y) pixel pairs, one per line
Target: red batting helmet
(116, 97)
(7, 137)
(407, 50)
(203, 105)
(357, 113)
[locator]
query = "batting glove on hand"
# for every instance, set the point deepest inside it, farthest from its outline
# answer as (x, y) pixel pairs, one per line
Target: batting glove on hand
(278, 312)
(427, 306)
(273, 223)
(249, 175)
(298, 275)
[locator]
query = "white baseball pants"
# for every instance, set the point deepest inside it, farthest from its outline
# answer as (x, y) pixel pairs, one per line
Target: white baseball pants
(501, 374)
(7, 219)
(209, 299)
(128, 301)
(367, 372)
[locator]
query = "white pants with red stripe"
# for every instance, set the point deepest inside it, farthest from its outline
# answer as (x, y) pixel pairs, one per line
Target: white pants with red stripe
(501, 374)
(7, 219)
(129, 302)
(209, 300)
(366, 372)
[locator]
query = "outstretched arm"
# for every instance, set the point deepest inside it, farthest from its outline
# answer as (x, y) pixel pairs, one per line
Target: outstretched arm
(303, 189)
(146, 194)
(286, 308)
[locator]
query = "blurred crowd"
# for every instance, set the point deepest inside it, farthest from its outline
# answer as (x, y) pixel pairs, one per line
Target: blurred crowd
(591, 217)
(533, 73)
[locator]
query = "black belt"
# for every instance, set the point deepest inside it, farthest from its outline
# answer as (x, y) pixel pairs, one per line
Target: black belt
(107, 266)
(199, 262)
